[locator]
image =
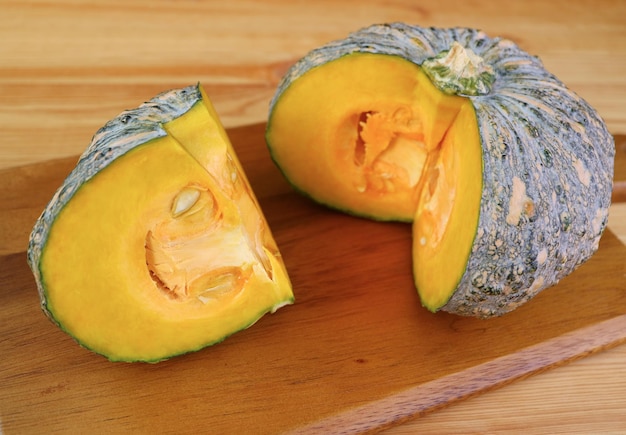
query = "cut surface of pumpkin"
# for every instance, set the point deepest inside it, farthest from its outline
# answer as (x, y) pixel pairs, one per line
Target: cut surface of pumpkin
(447, 213)
(162, 251)
(377, 132)
(391, 149)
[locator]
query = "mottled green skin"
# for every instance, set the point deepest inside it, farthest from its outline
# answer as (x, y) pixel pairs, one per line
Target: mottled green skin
(538, 138)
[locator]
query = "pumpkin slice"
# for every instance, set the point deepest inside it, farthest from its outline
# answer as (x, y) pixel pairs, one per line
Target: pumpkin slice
(155, 245)
(447, 213)
(505, 173)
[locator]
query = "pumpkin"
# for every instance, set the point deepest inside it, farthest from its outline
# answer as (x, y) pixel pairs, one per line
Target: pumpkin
(155, 244)
(505, 173)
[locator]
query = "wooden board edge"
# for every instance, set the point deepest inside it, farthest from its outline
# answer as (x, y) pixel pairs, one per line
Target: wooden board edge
(619, 192)
(431, 396)
(619, 178)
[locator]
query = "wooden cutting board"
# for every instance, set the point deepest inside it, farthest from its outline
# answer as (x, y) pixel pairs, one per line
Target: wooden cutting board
(356, 352)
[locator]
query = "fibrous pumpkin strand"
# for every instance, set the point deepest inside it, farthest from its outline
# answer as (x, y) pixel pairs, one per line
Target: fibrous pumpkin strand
(437, 197)
(389, 151)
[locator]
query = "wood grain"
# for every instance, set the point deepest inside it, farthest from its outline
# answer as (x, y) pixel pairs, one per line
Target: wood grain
(433, 395)
(356, 349)
(619, 184)
(69, 65)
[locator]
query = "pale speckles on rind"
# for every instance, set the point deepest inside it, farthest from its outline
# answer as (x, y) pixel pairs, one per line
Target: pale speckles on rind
(542, 256)
(123, 133)
(517, 202)
(600, 220)
(583, 174)
(537, 285)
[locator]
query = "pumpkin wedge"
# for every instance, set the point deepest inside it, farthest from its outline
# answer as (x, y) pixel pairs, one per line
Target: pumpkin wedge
(505, 173)
(155, 244)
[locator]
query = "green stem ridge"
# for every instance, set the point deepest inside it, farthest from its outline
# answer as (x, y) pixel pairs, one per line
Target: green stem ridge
(459, 71)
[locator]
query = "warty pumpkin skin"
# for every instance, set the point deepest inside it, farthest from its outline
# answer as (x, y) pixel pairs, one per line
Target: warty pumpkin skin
(514, 184)
(155, 244)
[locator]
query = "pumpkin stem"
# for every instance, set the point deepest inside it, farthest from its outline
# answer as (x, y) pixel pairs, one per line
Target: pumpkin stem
(459, 71)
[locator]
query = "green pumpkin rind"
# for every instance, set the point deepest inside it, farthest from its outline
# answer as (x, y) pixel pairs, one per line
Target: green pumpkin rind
(118, 136)
(563, 162)
(542, 144)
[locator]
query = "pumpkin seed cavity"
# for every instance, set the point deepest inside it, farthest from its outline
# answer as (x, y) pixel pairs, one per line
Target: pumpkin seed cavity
(195, 253)
(392, 155)
(389, 151)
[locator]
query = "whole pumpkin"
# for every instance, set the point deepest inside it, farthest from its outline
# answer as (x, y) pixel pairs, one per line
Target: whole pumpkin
(505, 173)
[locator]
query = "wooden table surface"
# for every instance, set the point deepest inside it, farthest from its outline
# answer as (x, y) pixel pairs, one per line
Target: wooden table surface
(68, 66)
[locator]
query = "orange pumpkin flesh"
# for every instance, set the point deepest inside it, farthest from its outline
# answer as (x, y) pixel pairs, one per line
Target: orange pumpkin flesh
(371, 135)
(447, 215)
